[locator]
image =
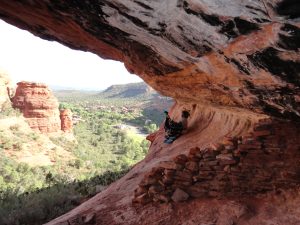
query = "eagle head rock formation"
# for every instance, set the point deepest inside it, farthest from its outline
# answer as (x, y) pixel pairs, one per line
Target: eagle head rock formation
(235, 65)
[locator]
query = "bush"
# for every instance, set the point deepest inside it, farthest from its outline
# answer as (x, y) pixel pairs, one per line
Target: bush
(42, 205)
(14, 127)
(8, 111)
(151, 128)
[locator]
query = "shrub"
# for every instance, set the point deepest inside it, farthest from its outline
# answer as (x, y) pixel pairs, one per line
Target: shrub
(14, 127)
(8, 111)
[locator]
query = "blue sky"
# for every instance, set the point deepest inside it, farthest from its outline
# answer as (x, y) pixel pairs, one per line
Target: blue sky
(29, 58)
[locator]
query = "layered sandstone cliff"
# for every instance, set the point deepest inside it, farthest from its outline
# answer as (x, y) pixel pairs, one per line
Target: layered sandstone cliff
(233, 64)
(38, 105)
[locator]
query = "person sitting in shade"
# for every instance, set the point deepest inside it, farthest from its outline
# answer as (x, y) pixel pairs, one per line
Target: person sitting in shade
(175, 129)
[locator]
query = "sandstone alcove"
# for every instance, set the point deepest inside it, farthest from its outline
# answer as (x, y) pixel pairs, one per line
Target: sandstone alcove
(233, 64)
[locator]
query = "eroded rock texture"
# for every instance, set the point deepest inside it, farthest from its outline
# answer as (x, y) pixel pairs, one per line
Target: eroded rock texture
(233, 64)
(38, 105)
(231, 53)
(229, 168)
(66, 120)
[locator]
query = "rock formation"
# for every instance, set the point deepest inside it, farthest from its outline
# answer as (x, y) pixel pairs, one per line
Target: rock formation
(229, 53)
(235, 65)
(243, 166)
(66, 120)
(38, 105)
(5, 89)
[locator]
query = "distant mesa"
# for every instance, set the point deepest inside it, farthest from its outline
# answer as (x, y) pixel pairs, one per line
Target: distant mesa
(132, 90)
(40, 108)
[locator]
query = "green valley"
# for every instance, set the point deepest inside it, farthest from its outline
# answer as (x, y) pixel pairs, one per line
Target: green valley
(60, 171)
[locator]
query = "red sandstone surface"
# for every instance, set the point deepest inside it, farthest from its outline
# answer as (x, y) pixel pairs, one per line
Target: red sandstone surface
(38, 105)
(235, 65)
(66, 120)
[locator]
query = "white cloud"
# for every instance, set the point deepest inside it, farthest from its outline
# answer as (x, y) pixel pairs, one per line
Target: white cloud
(27, 57)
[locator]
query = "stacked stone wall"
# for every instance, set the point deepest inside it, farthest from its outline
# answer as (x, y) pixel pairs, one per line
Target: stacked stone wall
(267, 159)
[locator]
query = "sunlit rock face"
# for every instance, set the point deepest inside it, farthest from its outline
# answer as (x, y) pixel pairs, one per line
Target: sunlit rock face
(5, 89)
(232, 64)
(38, 105)
(66, 120)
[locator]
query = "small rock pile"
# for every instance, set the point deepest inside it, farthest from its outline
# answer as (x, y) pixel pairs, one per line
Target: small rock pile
(248, 165)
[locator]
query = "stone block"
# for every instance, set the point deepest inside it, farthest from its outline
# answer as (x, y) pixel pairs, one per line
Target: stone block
(183, 175)
(156, 172)
(209, 154)
(227, 162)
(181, 183)
(207, 159)
(193, 158)
(229, 147)
(139, 191)
(167, 180)
(179, 167)
(217, 147)
(153, 189)
(254, 146)
(212, 163)
(197, 192)
(170, 165)
(248, 140)
(179, 195)
(169, 173)
(227, 141)
(227, 168)
(163, 198)
(148, 181)
(142, 199)
(218, 168)
(235, 169)
(262, 133)
(205, 167)
(221, 176)
(236, 152)
(180, 159)
(195, 151)
(213, 194)
(273, 149)
(89, 219)
(224, 157)
(192, 166)
(260, 127)
(204, 177)
(206, 173)
(271, 144)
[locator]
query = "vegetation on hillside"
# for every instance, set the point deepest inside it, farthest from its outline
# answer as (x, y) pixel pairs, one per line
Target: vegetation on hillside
(104, 151)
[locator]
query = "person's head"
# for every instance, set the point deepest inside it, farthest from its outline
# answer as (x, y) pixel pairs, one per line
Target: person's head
(185, 114)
